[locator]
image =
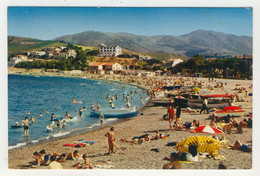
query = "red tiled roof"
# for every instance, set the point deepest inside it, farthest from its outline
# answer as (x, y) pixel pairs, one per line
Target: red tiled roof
(109, 63)
(95, 64)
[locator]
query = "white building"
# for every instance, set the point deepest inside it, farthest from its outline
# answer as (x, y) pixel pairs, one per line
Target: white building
(72, 53)
(172, 62)
(108, 67)
(17, 59)
(145, 57)
(105, 50)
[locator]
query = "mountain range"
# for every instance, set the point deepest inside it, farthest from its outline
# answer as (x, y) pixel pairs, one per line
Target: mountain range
(202, 42)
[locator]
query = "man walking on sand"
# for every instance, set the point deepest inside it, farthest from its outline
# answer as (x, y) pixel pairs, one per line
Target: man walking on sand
(205, 106)
(111, 141)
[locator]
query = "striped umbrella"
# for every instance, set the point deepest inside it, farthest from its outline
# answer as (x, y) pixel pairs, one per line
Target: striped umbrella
(207, 129)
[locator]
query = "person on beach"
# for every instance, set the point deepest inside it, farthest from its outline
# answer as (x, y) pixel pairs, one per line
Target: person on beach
(80, 112)
(116, 96)
(59, 124)
(101, 119)
(37, 158)
(86, 165)
(178, 126)
(54, 164)
(73, 155)
(26, 125)
(111, 141)
(205, 106)
(170, 116)
(240, 146)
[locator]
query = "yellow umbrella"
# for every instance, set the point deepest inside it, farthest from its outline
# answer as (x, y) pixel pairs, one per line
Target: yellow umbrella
(204, 143)
(195, 89)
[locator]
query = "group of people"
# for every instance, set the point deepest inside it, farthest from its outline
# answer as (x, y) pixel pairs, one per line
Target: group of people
(171, 116)
(55, 160)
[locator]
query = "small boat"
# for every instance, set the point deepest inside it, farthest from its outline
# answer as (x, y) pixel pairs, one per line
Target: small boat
(218, 96)
(231, 110)
(195, 104)
(120, 113)
(161, 102)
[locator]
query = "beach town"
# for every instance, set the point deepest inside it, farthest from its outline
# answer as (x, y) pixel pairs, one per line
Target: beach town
(117, 100)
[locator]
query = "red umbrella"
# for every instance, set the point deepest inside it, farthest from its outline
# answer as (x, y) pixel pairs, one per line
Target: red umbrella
(207, 129)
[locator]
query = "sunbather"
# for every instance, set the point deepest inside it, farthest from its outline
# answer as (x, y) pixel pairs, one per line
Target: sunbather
(86, 165)
(240, 146)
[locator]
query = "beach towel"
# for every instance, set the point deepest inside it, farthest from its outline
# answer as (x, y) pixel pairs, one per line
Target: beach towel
(87, 142)
(75, 145)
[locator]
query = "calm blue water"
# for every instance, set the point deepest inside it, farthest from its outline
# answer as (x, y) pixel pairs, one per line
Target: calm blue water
(38, 94)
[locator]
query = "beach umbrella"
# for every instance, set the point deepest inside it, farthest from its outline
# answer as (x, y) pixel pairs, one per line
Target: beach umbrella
(207, 129)
(204, 143)
(195, 89)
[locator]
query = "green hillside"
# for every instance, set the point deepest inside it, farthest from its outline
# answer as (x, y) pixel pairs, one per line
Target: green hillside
(19, 45)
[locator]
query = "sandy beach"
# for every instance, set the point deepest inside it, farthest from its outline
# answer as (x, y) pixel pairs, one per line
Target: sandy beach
(140, 156)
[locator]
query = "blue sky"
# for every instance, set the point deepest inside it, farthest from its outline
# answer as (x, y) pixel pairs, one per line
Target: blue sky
(49, 22)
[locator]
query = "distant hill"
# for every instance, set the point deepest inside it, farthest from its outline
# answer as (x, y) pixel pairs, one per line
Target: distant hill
(18, 45)
(197, 42)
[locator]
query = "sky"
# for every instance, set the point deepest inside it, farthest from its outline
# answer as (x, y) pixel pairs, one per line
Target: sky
(47, 23)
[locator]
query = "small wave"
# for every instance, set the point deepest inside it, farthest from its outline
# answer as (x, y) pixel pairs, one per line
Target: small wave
(111, 119)
(17, 145)
(35, 141)
(61, 134)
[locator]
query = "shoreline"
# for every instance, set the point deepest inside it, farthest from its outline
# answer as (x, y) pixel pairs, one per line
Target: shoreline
(77, 131)
(141, 156)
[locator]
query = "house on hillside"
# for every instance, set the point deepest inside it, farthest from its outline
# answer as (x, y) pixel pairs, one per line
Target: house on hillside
(105, 67)
(105, 50)
(17, 59)
(172, 62)
(72, 53)
(145, 58)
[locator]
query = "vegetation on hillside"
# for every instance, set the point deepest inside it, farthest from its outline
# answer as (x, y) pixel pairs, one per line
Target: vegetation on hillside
(226, 67)
(19, 45)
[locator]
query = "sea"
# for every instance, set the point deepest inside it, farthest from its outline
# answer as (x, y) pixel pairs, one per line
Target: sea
(40, 96)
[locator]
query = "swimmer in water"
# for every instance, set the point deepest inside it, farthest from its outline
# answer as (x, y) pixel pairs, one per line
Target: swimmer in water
(73, 100)
(80, 112)
(64, 124)
(47, 112)
(58, 106)
(52, 116)
(98, 106)
(92, 106)
(28, 112)
(67, 115)
(32, 119)
(112, 106)
(40, 115)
